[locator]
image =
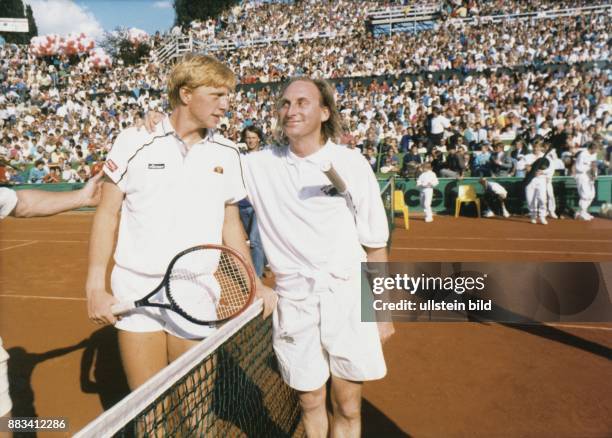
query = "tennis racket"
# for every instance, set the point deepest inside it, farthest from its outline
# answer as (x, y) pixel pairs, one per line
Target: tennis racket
(328, 169)
(205, 284)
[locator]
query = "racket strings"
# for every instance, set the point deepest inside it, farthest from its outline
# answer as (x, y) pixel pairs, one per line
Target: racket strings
(235, 287)
(209, 285)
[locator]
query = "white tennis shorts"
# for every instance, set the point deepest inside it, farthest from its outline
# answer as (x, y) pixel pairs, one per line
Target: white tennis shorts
(5, 398)
(131, 286)
(323, 334)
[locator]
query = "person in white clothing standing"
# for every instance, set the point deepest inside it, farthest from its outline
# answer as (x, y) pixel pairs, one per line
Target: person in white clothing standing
(535, 184)
(439, 125)
(551, 203)
(315, 244)
(585, 174)
(164, 192)
(426, 181)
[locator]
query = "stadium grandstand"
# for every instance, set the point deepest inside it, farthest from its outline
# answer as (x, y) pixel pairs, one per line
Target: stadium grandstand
(510, 72)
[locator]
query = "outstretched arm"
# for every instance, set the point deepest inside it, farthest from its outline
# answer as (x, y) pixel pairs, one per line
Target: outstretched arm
(32, 203)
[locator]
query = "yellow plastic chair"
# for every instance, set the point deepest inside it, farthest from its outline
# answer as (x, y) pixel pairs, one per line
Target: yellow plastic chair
(399, 206)
(466, 194)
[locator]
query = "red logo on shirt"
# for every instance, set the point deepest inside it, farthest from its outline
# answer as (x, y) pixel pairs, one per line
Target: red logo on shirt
(111, 165)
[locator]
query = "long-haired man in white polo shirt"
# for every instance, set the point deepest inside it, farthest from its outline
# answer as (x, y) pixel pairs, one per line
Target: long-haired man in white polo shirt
(315, 245)
(166, 191)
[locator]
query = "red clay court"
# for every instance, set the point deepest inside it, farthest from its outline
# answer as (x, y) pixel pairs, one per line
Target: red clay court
(445, 379)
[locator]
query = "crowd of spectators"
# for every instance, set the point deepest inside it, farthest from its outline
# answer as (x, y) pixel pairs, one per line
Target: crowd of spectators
(467, 48)
(284, 20)
(58, 117)
(458, 123)
(290, 20)
(64, 112)
(472, 8)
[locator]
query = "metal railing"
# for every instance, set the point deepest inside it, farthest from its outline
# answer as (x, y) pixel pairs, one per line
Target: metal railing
(175, 46)
(400, 14)
(539, 15)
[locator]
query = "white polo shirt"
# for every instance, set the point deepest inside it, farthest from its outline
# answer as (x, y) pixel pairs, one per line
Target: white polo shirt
(174, 199)
(304, 231)
(8, 201)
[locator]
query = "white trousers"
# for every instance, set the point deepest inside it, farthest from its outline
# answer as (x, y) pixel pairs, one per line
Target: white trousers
(586, 191)
(535, 192)
(426, 197)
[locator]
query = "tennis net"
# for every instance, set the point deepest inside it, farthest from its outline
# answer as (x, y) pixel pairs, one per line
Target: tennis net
(228, 385)
(386, 193)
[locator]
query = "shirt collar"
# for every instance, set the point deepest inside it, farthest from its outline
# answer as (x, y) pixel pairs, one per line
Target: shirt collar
(317, 158)
(166, 128)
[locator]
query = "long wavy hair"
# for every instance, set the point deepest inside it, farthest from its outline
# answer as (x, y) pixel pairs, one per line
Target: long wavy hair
(331, 129)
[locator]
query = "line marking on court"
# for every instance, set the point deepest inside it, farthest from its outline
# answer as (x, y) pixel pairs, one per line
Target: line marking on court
(45, 241)
(518, 251)
(38, 297)
(521, 239)
(29, 242)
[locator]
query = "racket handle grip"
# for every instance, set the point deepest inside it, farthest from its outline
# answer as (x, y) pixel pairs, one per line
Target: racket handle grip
(121, 308)
(334, 178)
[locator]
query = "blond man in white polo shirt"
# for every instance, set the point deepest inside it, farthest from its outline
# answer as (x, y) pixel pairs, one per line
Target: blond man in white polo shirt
(166, 191)
(315, 246)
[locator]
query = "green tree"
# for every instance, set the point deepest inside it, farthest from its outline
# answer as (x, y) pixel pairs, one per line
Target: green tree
(32, 28)
(188, 10)
(11, 9)
(15, 9)
(118, 46)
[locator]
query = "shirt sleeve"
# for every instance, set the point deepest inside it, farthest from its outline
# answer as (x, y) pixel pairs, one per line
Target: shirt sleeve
(118, 158)
(372, 225)
(235, 187)
(8, 201)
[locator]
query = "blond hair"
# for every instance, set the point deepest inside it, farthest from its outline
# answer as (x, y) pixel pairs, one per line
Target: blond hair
(331, 129)
(196, 70)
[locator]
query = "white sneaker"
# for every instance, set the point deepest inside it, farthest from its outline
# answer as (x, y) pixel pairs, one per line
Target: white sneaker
(429, 219)
(588, 216)
(584, 217)
(553, 215)
(543, 221)
(533, 221)
(505, 213)
(488, 213)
